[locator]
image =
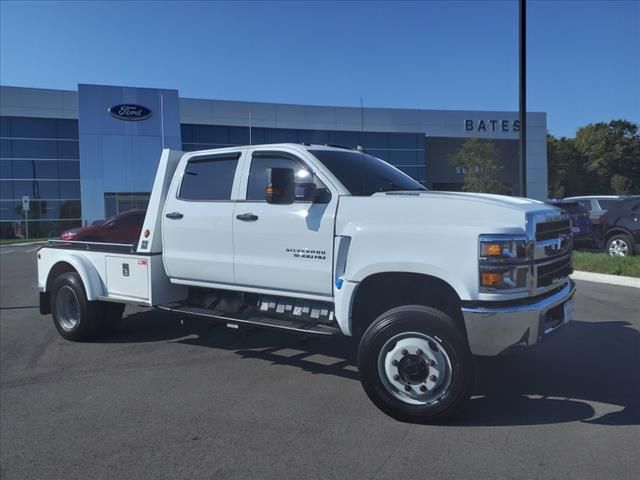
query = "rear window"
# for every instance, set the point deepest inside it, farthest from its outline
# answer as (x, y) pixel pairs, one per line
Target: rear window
(209, 178)
(586, 204)
(570, 207)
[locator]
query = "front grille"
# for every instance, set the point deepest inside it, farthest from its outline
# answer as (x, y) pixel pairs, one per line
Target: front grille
(551, 272)
(548, 230)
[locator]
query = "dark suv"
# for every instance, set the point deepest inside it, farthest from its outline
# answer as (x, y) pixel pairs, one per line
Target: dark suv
(621, 227)
(615, 221)
(580, 223)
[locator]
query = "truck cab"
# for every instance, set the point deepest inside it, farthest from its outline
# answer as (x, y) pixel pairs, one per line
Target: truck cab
(331, 241)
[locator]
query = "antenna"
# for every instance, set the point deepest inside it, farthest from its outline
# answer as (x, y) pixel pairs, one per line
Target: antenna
(162, 116)
(360, 148)
(250, 143)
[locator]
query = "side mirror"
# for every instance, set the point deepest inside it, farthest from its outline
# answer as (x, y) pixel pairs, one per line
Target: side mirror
(281, 186)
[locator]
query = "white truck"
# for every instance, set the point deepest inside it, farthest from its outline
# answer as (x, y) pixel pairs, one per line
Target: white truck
(331, 241)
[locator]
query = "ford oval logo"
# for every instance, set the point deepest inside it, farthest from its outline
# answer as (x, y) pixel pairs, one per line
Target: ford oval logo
(129, 111)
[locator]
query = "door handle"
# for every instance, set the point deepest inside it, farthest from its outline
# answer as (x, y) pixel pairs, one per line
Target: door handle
(247, 217)
(174, 215)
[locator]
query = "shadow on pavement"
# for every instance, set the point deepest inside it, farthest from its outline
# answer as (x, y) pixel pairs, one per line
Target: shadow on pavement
(589, 372)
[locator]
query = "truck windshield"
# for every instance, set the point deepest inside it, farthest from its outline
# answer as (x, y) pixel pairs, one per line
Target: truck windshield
(364, 175)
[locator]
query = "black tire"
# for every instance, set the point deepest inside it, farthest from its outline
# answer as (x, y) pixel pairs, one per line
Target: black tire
(68, 295)
(622, 240)
(446, 340)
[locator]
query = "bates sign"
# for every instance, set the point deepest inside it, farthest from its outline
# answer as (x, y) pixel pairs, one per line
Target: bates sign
(130, 112)
(492, 125)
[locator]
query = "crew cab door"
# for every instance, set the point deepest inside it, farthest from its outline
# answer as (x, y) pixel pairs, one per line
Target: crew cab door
(197, 219)
(283, 247)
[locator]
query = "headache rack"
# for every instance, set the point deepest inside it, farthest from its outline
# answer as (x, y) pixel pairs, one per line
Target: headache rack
(92, 246)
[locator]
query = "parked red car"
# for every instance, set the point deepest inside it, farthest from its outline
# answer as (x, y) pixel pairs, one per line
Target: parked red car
(123, 228)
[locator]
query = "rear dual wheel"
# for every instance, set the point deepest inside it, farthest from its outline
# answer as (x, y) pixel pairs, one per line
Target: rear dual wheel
(415, 365)
(76, 318)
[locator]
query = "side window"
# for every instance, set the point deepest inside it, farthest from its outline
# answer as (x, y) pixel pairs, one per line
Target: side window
(258, 176)
(606, 204)
(209, 178)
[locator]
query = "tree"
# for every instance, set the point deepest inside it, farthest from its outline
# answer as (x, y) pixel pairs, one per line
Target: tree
(612, 152)
(567, 175)
(604, 158)
(479, 160)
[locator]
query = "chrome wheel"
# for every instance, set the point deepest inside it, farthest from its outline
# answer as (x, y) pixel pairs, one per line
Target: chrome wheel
(67, 308)
(415, 368)
(618, 248)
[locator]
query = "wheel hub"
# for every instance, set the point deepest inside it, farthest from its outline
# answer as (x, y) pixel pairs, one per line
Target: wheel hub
(67, 308)
(415, 368)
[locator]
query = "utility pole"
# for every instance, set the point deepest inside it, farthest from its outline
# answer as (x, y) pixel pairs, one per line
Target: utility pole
(523, 95)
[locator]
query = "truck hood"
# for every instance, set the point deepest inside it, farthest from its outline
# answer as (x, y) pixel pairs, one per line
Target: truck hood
(472, 213)
(520, 203)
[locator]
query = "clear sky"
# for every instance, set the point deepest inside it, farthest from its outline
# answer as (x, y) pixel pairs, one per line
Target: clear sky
(583, 56)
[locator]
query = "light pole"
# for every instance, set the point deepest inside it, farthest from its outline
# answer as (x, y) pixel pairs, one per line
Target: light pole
(522, 59)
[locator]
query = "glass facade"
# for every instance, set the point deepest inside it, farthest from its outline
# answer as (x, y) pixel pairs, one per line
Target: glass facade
(443, 175)
(116, 203)
(403, 150)
(39, 158)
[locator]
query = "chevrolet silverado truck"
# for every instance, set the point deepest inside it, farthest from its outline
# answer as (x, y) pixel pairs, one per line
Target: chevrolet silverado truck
(331, 241)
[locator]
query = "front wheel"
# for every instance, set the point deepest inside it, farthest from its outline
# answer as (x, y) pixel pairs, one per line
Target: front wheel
(620, 245)
(415, 365)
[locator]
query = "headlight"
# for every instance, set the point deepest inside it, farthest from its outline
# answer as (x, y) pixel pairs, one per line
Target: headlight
(503, 263)
(496, 247)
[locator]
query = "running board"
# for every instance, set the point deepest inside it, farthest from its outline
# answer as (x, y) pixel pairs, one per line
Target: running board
(307, 327)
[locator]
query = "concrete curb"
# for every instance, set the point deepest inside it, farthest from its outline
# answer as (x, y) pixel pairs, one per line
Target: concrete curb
(609, 279)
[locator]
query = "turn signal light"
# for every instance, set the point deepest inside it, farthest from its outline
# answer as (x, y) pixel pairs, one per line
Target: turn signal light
(147, 233)
(491, 279)
(491, 249)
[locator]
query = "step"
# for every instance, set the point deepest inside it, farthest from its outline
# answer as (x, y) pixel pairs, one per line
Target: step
(254, 319)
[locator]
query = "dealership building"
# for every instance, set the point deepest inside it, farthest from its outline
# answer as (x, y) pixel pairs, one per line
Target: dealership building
(73, 157)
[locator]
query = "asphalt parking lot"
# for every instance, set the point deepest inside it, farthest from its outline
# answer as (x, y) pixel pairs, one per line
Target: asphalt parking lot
(158, 399)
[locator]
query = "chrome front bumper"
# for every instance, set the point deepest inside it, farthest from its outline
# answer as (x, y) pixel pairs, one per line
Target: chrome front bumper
(492, 329)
